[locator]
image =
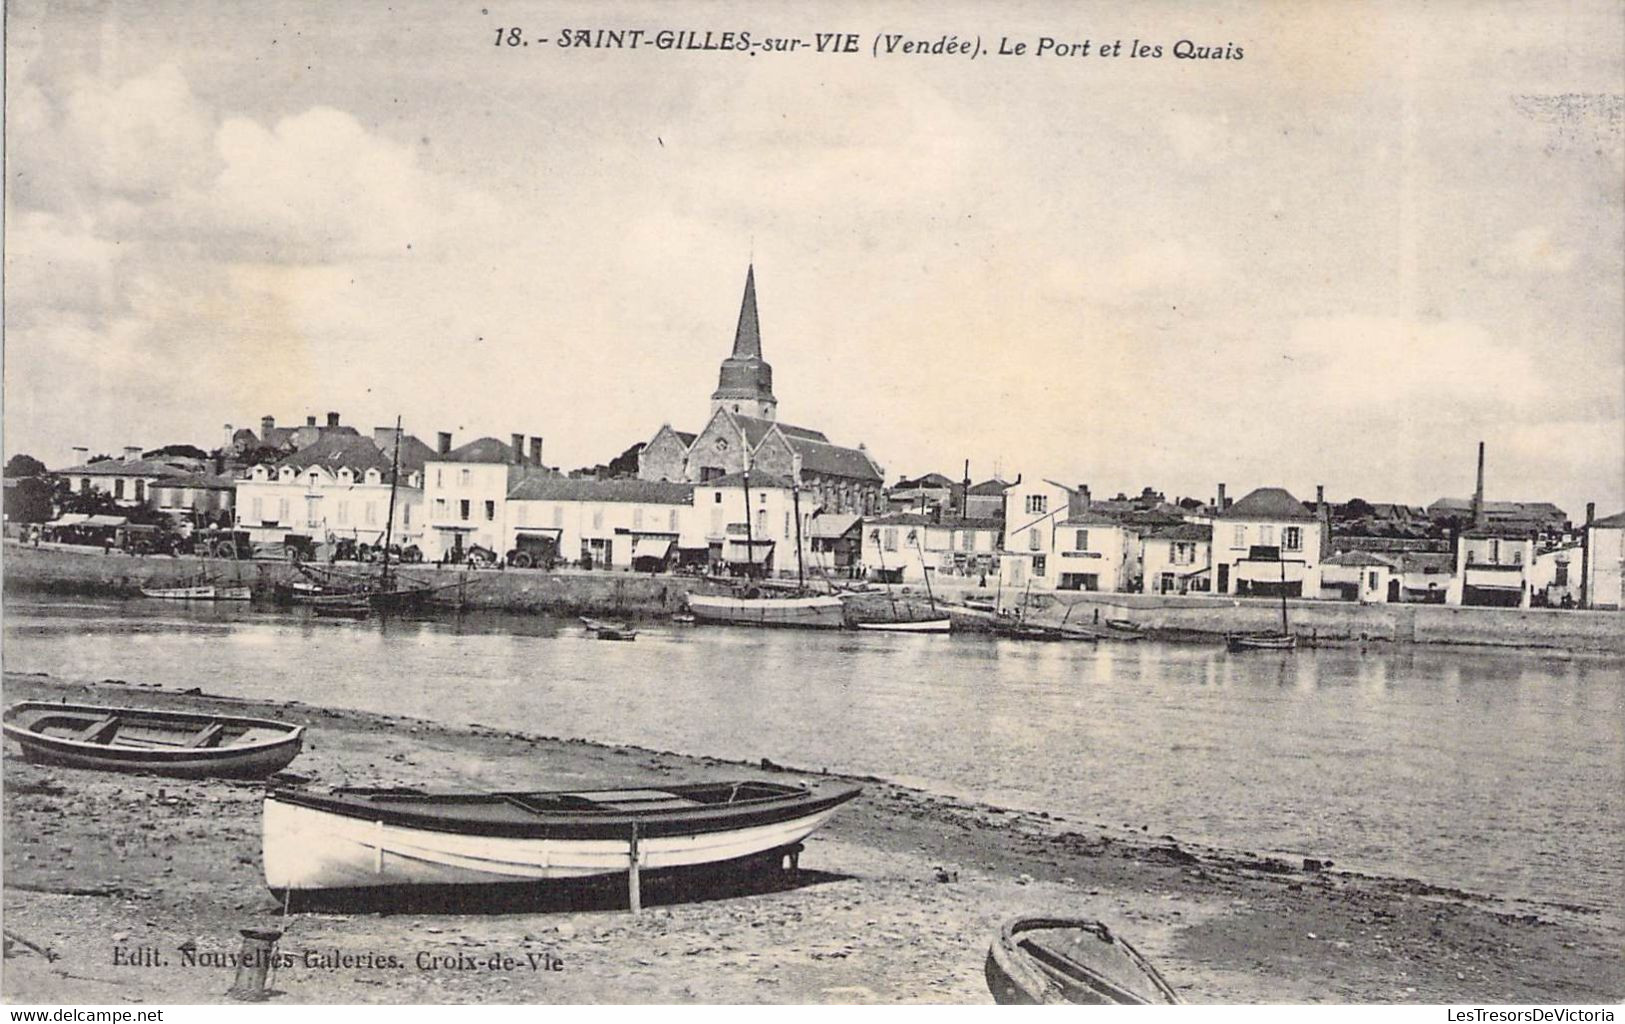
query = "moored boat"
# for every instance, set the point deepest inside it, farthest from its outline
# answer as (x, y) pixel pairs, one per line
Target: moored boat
(358, 844)
(1037, 960)
(1260, 641)
(200, 592)
(609, 630)
(179, 743)
(942, 625)
(809, 612)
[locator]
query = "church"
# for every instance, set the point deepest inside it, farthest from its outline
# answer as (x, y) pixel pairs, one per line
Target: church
(744, 432)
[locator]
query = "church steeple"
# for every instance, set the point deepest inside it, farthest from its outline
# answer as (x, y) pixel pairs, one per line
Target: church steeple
(745, 383)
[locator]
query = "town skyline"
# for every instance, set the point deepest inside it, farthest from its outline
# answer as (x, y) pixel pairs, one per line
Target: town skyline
(1110, 288)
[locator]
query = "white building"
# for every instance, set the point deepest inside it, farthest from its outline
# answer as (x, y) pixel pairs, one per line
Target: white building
(1493, 567)
(898, 548)
(766, 545)
(336, 488)
(602, 524)
(1032, 510)
(1605, 562)
(1361, 576)
(129, 479)
(465, 493)
(1267, 542)
(1177, 559)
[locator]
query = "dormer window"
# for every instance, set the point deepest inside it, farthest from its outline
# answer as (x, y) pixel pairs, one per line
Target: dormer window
(373, 476)
(260, 473)
(345, 476)
(287, 473)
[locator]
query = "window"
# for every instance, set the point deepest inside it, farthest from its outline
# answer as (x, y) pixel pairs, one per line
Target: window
(1083, 540)
(637, 517)
(891, 539)
(761, 522)
(1266, 536)
(967, 540)
(1182, 553)
(1292, 538)
(256, 510)
(439, 478)
(1371, 580)
(1033, 540)
(313, 511)
(464, 478)
(118, 488)
(440, 508)
(672, 521)
(84, 483)
(490, 511)
(1037, 504)
(1561, 578)
(371, 514)
(406, 515)
(282, 510)
(558, 515)
(313, 478)
(716, 498)
(1039, 565)
(761, 497)
(462, 508)
(1168, 583)
(1238, 537)
(344, 512)
(140, 490)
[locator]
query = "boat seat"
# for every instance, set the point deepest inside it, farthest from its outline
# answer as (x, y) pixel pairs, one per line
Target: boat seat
(100, 732)
(209, 736)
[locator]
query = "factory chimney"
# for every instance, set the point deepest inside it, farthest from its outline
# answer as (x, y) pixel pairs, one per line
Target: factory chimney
(1479, 516)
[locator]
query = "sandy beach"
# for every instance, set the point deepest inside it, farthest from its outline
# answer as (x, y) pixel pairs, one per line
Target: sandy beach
(137, 888)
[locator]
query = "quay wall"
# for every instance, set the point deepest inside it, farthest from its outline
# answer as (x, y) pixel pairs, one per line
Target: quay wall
(89, 572)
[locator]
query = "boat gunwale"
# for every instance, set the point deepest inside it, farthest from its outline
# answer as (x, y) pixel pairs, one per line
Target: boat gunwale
(1006, 951)
(578, 823)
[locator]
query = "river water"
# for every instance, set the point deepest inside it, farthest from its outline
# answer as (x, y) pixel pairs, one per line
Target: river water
(1496, 771)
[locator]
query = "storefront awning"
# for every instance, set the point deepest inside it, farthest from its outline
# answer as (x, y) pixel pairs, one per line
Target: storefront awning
(651, 547)
(71, 519)
(106, 521)
(541, 531)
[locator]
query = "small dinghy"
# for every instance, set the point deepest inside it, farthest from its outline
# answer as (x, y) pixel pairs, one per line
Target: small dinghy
(204, 592)
(1037, 960)
(609, 630)
(1261, 641)
(175, 743)
(353, 847)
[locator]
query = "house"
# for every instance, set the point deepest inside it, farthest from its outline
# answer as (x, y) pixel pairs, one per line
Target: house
(932, 492)
(1539, 517)
(1176, 558)
(837, 543)
(642, 525)
(465, 493)
(1493, 564)
(1361, 576)
(289, 439)
(1267, 543)
(1605, 562)
(902, 546)
(1055, 540)
(986, 500)
(339, 487)
(1554, 576)
(744, 431)
(1096, 551)
(127, 479)
(749, 524)
(200, 497)
(1426, 577)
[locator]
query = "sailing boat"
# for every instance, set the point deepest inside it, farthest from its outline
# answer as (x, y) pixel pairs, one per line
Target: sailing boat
(202, 586)
(803, 610)
(897, 624)
(1268, 640)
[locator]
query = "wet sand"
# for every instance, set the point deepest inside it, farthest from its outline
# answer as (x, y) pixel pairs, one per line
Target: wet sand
(897, 898)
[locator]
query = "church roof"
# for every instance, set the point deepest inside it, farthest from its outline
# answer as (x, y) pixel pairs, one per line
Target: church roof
(748, 335)
(833, 460)
(745, 374)
(755, 429)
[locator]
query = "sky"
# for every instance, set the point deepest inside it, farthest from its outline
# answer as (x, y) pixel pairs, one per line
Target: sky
(1384, 234)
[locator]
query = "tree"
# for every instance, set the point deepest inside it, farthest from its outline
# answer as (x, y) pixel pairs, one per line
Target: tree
(1359, 508)
(21, 465)
(184, 450)
(29, 500)
(261, 454)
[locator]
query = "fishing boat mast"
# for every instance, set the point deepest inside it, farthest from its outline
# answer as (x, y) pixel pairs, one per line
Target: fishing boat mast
(1282, 562)
(925, 571)
(795, 498)
(389, 522)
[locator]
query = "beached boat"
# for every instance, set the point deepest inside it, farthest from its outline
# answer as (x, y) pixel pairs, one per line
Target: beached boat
(808, 612)
(148, 740)
(1260, 641)
(1038, 960)
(1125, 626)
(942, 625)
(361, 844)
(609, 630)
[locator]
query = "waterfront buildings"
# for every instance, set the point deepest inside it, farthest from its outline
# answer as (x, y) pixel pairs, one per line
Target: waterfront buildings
(465, 493)
(336, 488)
(642, 525)
(1266, 543)
(128, 479)
(1605, 562)
(900, 547)
(1177, 558)
(1054, 540)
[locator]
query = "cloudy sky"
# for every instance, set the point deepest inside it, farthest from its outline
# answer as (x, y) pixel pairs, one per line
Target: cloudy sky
(1384, 234)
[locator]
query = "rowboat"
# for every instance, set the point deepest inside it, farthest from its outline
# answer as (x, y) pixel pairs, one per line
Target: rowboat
(1037, 960)
(1125, 626)
(609, 630)
(809, 612)
(942, 625)
(353, 846)
(204, 592)
(1260, 641)
(145, 740)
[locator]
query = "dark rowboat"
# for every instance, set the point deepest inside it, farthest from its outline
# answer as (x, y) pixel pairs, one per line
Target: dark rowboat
(1038, 960)
(609, 630)
(352, 844)
(1261, 641)
(158, 742)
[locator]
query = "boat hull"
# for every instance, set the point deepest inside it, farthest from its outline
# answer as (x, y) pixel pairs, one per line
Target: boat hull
(1261, 642)
(314, 849)
(201, 593)
(155, 742)
(1040, 961)
(796, 612)
(920, 626)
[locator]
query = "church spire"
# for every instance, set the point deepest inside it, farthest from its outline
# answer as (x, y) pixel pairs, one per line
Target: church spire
(748, 335)
(745, 384)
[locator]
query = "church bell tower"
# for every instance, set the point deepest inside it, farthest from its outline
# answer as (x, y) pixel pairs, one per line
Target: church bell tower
(745, 384)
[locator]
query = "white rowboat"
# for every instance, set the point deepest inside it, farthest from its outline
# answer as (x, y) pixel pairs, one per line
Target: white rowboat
(920, 626)
(817, 612)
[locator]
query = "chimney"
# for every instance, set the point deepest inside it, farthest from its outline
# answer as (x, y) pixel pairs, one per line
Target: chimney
(1219, 505)
(219, 463)
(535, 450)
(1077, 502)
(443, 442)
(517, 443)
(267, 424)
(1479, 518)
(80, 454)
(310, 421)
(1323, 517)
(132, 452)
(227, 442)
(332, 419)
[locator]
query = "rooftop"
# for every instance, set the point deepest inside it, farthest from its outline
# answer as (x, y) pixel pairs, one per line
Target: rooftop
(1271, 504)
(643, 492)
